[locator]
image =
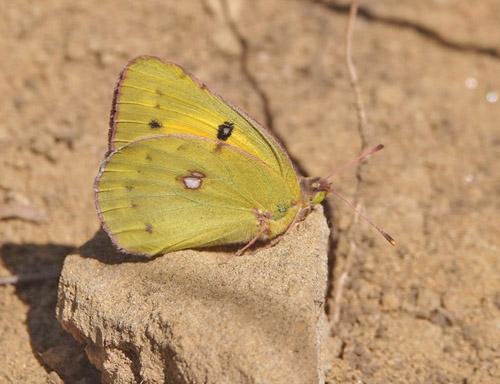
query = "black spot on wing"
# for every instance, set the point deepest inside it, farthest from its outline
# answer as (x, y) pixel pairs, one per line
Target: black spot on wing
(225, 130)
(155, 124)
(148, 228)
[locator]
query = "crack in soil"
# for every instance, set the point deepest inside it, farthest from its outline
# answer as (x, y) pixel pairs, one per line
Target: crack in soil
(422, 30)
(243, 59)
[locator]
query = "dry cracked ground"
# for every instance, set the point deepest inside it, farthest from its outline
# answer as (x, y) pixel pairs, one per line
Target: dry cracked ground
(426, 311)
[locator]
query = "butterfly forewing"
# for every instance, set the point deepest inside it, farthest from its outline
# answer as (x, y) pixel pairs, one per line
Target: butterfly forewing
(154, 97)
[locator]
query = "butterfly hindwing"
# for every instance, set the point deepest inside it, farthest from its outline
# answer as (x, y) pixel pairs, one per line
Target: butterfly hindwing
(170, 192)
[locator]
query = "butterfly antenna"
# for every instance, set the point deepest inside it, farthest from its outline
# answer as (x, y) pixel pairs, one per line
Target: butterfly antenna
(362, 156)
(382, 232)
(355, 160)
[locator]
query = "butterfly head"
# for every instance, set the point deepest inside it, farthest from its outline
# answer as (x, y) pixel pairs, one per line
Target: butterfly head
(314, 190)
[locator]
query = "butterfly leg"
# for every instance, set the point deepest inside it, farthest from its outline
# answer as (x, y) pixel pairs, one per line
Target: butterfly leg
(262, 219)
(251, 242)
(241, 251)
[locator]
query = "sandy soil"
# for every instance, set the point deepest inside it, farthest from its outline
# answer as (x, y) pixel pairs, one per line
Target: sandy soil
(426, 311)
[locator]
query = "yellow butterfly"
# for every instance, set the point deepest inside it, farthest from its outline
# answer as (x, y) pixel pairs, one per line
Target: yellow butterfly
(186, 169)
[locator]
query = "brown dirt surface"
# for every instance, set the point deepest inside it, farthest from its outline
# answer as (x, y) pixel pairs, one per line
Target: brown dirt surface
(425, 311)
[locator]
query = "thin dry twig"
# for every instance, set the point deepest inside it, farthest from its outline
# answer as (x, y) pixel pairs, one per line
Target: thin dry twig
(364, 130)
(340, 283)
(364, 133)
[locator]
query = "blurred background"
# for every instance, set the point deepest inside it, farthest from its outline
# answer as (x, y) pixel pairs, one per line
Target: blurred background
(425, 311)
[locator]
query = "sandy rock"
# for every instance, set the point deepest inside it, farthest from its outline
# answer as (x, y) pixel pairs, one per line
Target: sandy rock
(390, 301)
(183, 318)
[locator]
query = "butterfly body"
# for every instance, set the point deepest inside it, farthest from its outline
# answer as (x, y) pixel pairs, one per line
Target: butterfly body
(186, 169)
